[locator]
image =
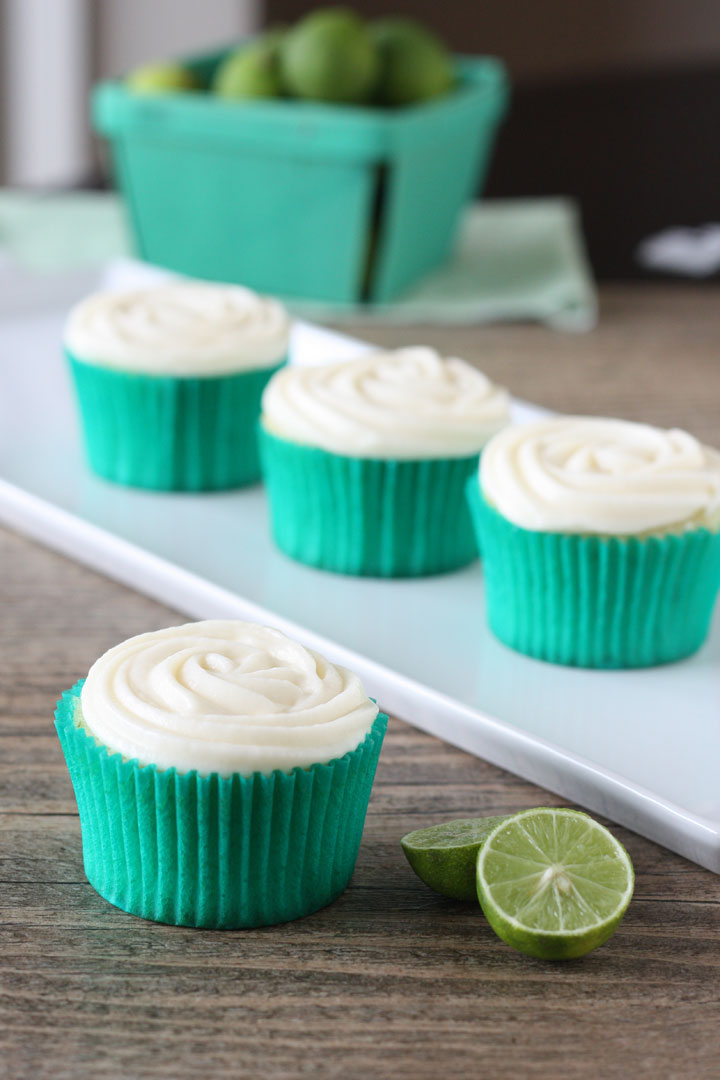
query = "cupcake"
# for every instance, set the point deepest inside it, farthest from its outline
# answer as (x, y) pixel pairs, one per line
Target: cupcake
(366, 462)
(169, 380)
(222, 774)
(600, 540)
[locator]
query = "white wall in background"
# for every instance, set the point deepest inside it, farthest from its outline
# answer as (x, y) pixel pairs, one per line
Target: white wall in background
(46, 76)
(130, 32)
(52, 51)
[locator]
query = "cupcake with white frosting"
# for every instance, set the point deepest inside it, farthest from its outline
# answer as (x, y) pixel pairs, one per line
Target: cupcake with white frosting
(366, 462)
(600, 540)
(169, 380)
(222, 773)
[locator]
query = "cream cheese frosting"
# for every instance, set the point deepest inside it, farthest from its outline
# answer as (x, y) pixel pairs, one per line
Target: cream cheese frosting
(224, 696)
(183, 328)
(411, 403)
(611, 477)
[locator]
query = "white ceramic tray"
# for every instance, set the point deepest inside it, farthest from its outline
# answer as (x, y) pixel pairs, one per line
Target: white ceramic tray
(641, 747)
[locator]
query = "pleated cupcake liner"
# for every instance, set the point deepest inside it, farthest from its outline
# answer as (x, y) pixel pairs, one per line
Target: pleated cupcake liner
(216, 852)
(368, 516)
(171, 433)
(596, 602)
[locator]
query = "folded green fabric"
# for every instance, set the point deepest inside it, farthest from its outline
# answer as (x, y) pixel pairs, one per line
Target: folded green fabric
(62, 231)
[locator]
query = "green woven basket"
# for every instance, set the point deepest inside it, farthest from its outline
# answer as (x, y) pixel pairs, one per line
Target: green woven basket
(216, 852)
(296, 198)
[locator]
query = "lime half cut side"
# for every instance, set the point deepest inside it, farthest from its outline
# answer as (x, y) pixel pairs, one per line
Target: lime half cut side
(445, 856)
(553, 883)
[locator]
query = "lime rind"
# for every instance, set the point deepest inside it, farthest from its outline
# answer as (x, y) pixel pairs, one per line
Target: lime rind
(553, 883)
(444, 856)
(459, 831)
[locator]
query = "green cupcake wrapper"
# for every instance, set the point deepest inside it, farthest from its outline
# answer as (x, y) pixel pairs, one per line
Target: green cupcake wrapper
(215, 852)
(368, 516)
(171, 433)
(596, 602)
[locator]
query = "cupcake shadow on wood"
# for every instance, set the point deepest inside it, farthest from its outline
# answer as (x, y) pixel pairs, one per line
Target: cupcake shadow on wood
(600, 541)
(169, 381)
(365, 462)
(222, 774)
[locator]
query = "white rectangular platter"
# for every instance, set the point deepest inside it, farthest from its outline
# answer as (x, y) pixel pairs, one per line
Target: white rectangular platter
(641, 747)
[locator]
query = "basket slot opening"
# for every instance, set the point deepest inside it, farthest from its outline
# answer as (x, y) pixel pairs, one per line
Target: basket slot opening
(375, 226)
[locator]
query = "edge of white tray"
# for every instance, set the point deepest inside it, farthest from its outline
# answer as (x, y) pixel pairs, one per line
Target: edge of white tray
(502, 744)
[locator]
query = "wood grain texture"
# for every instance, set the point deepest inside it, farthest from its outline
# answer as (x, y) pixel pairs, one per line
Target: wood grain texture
(391, 980)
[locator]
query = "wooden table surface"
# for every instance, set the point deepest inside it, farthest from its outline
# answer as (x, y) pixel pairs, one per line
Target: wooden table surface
(391, 980)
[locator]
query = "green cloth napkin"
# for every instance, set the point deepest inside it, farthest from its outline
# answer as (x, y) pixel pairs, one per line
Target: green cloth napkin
(62, 231)
(515, 259)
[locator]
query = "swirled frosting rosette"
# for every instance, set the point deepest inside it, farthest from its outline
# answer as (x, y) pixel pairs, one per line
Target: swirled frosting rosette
(224, 697)
(407, 404)
(183, 328)
(599, 476)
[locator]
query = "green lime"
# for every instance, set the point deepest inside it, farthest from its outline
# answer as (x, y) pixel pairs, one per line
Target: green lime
(445, 856)
(553, 883)
(414, 63)
(161, 79)
(253, 71)
(329, 56)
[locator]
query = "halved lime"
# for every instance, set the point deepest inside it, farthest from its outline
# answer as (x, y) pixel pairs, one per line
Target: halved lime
(553, 883)
(445, 856)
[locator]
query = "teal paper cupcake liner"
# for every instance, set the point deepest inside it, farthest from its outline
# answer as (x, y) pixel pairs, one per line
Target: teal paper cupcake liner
(368, 516)
(596, 602)
(214, 852)
(171, 433)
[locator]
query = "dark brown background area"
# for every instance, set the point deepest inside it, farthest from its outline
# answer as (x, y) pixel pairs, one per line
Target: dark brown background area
(616, 104)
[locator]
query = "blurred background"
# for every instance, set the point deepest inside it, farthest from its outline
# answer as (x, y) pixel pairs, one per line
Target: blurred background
(54, 50)
(615, 104)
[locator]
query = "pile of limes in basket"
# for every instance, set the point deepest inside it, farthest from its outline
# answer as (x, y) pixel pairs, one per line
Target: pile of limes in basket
(331, 55)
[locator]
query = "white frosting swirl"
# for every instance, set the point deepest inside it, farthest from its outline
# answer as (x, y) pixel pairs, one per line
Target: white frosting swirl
(611, 477)
(184, 328)
(410, 403)
(225, 697)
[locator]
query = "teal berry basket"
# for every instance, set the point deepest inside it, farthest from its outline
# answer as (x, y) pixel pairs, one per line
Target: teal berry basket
(368, 516)
(169, 433)
(217, 852)
(330, 202)
(595, 601)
